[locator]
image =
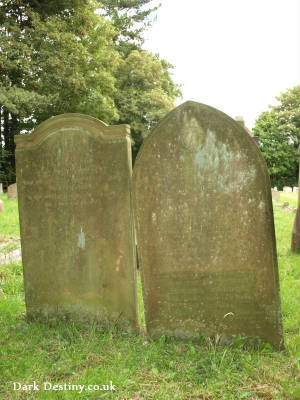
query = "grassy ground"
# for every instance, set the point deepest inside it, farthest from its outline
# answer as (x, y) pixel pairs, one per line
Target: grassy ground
(291, 198)
(139, 368)
(9, 219)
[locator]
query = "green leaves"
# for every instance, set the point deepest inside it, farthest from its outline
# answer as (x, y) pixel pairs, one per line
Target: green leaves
(278, 134)
(76, 56)
(131, 18)
(21, 101)
(145, 93)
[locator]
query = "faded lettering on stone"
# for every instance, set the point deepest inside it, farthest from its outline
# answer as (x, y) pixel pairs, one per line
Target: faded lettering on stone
(74, 182)
(205, 229)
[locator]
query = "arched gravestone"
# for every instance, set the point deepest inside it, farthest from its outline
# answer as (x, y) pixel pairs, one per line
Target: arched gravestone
(205, 229)
(74, 184)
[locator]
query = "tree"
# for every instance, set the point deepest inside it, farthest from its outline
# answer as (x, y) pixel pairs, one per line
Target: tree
(278, 136)
(145, 89)
(59, 57)
(131, 18)
(63, 62)
(145, 93)
(288, 114)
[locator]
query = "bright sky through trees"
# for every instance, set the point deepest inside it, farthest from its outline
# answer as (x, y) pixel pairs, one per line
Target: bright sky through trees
(235, 55)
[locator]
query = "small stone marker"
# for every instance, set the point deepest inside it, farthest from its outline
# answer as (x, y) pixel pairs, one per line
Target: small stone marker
(295, 189)
(1, 188)
(78, 249)
(1, 206)
(12, 192)
(287, 189)
(208, 266)
(275, 195)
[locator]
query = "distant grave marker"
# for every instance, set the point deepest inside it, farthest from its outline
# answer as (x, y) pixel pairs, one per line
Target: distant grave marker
(275, 195)
(205, 229)
(12, 192)
(74, 181)
(287, 189)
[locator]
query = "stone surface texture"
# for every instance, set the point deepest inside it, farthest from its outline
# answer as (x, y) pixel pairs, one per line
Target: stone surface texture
(74, 182)
(205, 229)
(295, 245)
(12, 192)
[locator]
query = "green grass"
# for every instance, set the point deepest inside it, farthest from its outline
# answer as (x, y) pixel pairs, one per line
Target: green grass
(9, 218)
(291, 198)
(141, 368)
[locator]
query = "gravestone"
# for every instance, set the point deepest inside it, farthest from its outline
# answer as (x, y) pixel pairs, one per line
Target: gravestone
(205, 229)
(78, 249)
(1, 188)
(295, 245)
(287, 189)
(275, 195)
(12, 192)
(1, 206)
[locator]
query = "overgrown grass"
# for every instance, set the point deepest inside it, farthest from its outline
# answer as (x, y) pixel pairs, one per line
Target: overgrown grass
(140, 368)
(9, 218)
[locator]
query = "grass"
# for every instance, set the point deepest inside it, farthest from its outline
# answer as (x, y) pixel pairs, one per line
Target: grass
(69, 353)
(9, 219)
(291, 198)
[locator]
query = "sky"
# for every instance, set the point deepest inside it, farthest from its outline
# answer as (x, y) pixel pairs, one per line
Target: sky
(234, 55)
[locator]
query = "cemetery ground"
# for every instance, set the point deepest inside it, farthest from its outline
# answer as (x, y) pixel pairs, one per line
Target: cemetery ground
(139, 368)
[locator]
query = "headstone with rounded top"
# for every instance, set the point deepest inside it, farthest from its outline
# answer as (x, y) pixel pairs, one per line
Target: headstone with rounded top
(205, 229)
(78, 249)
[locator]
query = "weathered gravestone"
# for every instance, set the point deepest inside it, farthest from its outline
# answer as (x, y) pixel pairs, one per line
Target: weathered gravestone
(1, 188)
(12, 192)
(287, 189)
(275, 195)
(205, 229)
(295, 244)
(74, 181)
(1, 206)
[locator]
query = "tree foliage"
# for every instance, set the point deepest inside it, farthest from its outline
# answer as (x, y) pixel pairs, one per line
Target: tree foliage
(278, 135)
(131, 18)
(145, 93)
(77, 56)
(61, 63)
